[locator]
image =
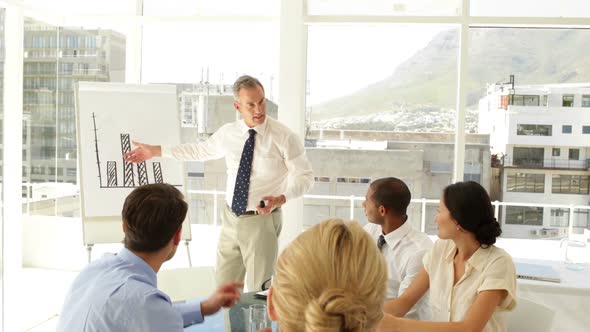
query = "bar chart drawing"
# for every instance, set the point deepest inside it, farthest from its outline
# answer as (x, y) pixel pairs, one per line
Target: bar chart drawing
(134, 175)
(111, 174)
(110, 116)
(128, 175)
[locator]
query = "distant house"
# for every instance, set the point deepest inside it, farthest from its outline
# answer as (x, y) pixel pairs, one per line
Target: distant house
(543, 134)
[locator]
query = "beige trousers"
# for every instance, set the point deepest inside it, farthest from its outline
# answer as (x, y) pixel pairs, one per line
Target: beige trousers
(248, 246)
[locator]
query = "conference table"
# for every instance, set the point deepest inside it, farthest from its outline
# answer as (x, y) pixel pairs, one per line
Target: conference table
(569, 299)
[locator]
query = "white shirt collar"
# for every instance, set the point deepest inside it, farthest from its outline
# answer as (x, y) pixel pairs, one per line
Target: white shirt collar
(260, 129)
(393, 238)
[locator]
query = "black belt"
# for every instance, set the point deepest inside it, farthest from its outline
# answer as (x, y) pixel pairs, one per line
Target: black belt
(250, 212)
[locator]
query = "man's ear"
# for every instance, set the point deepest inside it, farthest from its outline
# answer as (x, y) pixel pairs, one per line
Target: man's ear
(382, 210)
(272, 314)
(237, 106)
(176, 238)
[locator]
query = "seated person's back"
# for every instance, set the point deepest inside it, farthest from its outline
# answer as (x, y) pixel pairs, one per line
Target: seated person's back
(119, 292)
(111, 293)
(330, 278)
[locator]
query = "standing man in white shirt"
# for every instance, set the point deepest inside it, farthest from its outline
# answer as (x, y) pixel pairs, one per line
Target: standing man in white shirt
(386, 203)
(265, 161)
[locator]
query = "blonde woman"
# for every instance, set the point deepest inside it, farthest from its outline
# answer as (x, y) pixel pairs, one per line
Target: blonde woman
(471, 281)
(330, 278)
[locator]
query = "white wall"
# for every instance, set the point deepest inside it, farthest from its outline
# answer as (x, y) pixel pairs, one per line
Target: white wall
(554, 116)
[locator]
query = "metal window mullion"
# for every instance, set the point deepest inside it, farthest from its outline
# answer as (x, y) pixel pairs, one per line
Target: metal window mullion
(472, 21)
(462, 67)
(12, 167)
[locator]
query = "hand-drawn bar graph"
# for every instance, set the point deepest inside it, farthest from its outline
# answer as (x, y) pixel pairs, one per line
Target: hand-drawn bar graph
(128, 174)
(158, 172)
(142, 172)
(111, 174)
(128, 168)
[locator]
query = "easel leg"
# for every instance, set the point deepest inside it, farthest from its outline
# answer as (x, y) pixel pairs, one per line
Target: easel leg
(188, 253)
(89, 250)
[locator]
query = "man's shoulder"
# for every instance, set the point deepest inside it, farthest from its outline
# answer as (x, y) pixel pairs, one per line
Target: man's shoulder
(278, 128)
(419, 237)
(416, 242)
(233, 125)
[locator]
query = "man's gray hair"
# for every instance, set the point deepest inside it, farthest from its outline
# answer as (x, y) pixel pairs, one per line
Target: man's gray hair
(245, 81)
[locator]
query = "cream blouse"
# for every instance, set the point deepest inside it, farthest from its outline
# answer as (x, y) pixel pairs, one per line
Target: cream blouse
(487, 269)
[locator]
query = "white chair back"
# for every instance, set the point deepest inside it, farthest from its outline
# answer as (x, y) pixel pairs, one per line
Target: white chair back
(187, 283)
(530, 316)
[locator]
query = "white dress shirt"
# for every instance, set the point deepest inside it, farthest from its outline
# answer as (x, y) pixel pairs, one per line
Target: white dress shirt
(403, 251)
(280, 166)
(487, 269)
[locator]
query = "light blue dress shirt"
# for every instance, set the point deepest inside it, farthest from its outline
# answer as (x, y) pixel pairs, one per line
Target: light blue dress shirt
(119, 293)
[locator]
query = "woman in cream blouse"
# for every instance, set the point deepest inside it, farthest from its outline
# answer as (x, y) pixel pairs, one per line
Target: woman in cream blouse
(471, 281)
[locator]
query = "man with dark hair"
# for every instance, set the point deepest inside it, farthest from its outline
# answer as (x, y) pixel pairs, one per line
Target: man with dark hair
(265, 162)
(119, 293)
(386, 204)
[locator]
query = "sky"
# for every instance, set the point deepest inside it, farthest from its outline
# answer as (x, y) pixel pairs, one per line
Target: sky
(341, 58)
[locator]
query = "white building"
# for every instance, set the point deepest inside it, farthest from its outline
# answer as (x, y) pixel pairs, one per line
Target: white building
(542, 133)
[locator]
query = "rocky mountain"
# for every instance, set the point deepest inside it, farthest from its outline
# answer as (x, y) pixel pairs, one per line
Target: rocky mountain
(426, 83)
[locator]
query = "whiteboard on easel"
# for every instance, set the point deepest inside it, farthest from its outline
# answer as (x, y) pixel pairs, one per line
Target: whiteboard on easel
(109, 116)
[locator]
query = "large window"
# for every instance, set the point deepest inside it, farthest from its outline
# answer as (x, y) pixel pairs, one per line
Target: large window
(570, 184)
(215, 57)
(527, 65)
(525, 182)
(574, 154)
(84, 7)
(533, 130)
(524, 215)
(560, 218)
(379, 103)
(383, 8)
(203, 69)
(386, 84)
(211, 8)
(55, 59)
(524, 100)
(528, 157)
(530, 8)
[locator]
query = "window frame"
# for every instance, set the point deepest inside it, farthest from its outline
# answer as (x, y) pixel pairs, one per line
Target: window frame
(567, 100)
(528, 182)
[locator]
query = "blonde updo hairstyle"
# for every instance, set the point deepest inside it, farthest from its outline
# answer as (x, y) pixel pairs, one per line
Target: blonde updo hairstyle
(330, 278)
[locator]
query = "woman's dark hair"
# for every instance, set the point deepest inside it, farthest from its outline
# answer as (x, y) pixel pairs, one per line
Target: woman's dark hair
(152, 214)
(469, 204)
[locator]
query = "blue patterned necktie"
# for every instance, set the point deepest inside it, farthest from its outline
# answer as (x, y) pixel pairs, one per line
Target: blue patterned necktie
(381, 242)
(240, 199)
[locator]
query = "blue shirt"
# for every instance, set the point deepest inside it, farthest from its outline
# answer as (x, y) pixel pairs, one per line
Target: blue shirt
(119, 293)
